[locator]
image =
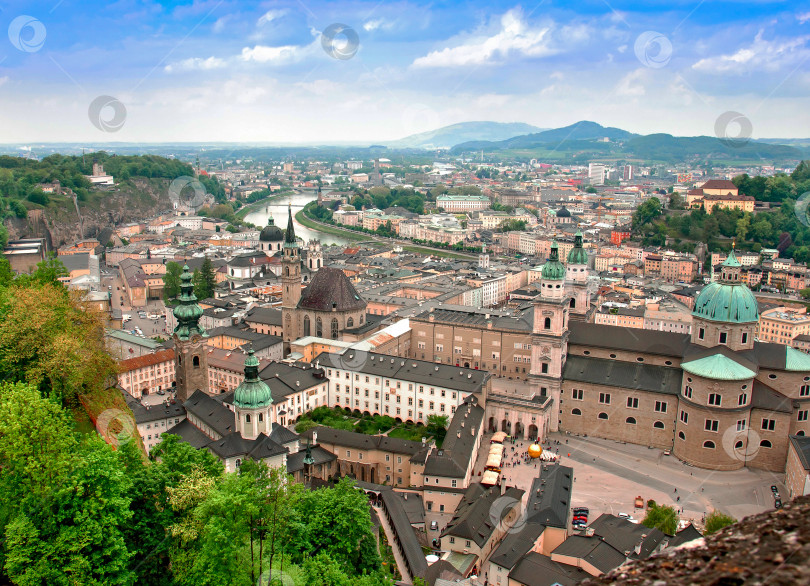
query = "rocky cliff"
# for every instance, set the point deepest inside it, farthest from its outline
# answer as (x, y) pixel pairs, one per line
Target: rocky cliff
(60, 224)
(771, 548)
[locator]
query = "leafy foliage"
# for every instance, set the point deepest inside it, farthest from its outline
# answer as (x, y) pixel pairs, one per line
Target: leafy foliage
(661, 517)
(716, 520)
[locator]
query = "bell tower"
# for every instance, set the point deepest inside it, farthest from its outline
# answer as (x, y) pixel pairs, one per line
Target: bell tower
(550, 334)
(314, 255)
(290, 283)
(190, 349)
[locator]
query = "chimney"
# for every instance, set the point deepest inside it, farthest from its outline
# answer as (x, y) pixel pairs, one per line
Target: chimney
(314, 437)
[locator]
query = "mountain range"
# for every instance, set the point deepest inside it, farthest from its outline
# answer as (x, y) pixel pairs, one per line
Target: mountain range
(448, 136)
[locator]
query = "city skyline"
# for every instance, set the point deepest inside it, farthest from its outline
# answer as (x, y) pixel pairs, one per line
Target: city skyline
(316, 72)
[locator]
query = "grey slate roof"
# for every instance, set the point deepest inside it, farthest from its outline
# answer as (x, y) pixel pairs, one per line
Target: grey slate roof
(538, 570)
(516, 544)
(628, 375)
(685, 535)
(472, 518)
(146, 414)
(419, 371)
(284, 379)
(593, 550)
(264, 315)
(281, 435)
(632, 339)
(550, 496)
(764, 397)
(414, 556)
(801, 444)
(464, 315)
(331, 288)
(459, 444)
(211, 412)
(295, 462)
(624, 536)
(190, 434)
(234, 444)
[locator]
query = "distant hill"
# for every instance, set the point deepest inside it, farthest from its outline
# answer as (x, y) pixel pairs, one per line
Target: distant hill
(585, 138)
(447, 136)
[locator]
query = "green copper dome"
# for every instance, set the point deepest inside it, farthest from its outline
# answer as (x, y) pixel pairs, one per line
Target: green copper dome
(252, 393)
(728, 299)
(553, 270)
(188, 313)
(578, 256)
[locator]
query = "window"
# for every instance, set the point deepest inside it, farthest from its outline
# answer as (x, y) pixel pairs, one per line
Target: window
(453, 483)
(714, 399)
(802, 415)
(723, 337)
(660, 406)
(681, 435)
(632, 403)
(452, 539)
(708, 444)
(687, 392)
(196, 362)
(765, 444)
(658, 425)
(334, 328)
(768, 424)
(684, 417)
(544, 368)
(576, 412)
(738, 445)
(547, 323)
(577, 394)
(604, 398)
(745, 337)
(741, 425)
(306, 325)
(711, 425)
(247, 418)
(603, 415)
(742, 399)
(701, 333)
(318, 327)
(630, 420)
(804, 391)
(350, 322)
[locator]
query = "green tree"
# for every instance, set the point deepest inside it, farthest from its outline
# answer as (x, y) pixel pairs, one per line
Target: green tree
(742, 229)
(171, 280)
(209, 277)
(3, 236)
(716, 520)
(646, 213)
(676, 201)
(661, 517)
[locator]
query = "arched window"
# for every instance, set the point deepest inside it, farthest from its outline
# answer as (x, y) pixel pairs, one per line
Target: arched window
(765, 444)
(547, 323)
(800, 433)
(318, 327)
(630, 420)
(573, 303)
(306, 325)
(350, 322)
(708, 444)
(238, 462)
(247, 418)
(576, 412)
(738, 445)
(603, 415)
(334, 328)
(196, 362)
(286, 271)
(658, 425)
(681, 435)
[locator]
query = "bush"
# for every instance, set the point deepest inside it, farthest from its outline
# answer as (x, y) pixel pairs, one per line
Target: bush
(663, 518)
(716, 521)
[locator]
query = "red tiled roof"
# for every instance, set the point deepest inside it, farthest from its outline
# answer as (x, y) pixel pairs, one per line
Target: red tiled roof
(147, 360)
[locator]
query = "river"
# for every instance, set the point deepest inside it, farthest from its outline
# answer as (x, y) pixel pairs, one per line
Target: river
(278, 208)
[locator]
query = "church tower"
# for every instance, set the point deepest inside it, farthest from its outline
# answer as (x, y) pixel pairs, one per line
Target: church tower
(314, 255)
(577, 278)
(190, 349)
(252, 400)
(550, 334)
(290, 283)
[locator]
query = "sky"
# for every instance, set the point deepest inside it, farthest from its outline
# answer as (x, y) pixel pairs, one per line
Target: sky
(304, 71)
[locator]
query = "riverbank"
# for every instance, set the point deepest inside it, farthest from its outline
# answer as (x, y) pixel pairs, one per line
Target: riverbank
(242, 212)
(326, 229)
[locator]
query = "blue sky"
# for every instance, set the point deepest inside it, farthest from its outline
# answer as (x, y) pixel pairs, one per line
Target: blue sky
(211, 70)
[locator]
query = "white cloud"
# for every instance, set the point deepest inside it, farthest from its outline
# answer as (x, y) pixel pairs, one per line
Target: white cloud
(379, 23)
(270, 16)
(515, 36)
(195, 63)
(265, 54)
(803, 17)
(760, 55)
(3, 80)
(221, 23)
(631, 84)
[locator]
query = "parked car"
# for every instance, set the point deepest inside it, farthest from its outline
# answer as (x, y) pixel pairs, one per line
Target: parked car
(774, 488)
(580, 511)
(626, 516)
(777, 504)
(581, 519)
(667, 452)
